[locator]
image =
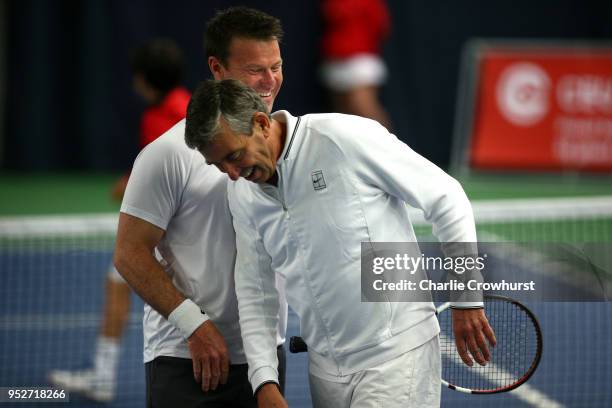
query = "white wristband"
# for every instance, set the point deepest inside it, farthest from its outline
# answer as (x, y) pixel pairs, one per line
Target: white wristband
(467, 305)
(187, 317)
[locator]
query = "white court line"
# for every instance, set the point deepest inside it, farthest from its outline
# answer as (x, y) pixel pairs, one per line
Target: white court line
(532, 209)
(525, 392)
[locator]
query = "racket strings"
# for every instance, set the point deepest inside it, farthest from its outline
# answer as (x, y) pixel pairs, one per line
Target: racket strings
(512, 357)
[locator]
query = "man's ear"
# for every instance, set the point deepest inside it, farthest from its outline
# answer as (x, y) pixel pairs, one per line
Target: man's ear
(262, 119)
(216, 67)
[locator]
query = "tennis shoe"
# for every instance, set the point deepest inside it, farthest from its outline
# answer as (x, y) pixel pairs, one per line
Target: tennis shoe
(84, 382)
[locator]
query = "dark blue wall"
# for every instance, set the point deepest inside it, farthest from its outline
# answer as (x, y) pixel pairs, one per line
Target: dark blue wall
(70, 105)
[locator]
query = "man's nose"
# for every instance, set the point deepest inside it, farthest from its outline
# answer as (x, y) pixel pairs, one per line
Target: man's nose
(232, 171)
(268, 77)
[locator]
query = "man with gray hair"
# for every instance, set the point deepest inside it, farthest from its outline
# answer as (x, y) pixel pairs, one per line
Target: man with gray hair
(308, 191)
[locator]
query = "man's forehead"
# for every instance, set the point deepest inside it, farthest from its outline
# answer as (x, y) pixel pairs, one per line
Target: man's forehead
(224, 143)
(216, 150)
(244, 48)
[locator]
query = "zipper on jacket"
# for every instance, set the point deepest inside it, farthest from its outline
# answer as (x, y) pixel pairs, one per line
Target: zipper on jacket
(275, 193)
(281, 196)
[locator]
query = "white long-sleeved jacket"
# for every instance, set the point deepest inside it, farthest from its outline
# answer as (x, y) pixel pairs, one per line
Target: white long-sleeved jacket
(342, 180)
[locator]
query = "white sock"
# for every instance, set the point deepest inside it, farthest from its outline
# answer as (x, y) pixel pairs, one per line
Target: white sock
(106, 358)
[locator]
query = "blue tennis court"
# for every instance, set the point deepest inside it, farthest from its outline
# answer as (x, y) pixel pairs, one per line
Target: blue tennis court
(51, 306)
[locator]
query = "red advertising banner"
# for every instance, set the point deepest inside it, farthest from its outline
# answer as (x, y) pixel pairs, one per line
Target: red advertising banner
(543, 109)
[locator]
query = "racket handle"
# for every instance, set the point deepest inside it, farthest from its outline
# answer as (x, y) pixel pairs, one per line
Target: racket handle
(297, 345)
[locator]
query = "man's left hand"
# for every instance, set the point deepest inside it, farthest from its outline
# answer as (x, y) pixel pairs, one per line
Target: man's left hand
(471, 327)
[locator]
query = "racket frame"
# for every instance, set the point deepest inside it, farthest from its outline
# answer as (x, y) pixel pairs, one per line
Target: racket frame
(534, 363)
(297, 345)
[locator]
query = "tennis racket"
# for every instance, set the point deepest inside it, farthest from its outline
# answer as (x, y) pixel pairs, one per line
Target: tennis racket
(513, 360)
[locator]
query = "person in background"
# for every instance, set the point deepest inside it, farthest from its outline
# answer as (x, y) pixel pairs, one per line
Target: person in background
(352, 69)
(157, 69)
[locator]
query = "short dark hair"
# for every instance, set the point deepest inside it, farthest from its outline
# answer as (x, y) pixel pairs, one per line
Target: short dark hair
(230, 99)
(161, 63)
(242, 22)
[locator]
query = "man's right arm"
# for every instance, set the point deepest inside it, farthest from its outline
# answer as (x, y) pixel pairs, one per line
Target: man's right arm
(134, 259)
(258, 300)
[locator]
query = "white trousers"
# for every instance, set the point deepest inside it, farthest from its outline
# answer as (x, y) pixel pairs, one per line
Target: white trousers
(410, 380)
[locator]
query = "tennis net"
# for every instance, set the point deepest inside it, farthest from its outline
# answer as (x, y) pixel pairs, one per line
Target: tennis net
(52, 296)
(53, 271)
(575, 368)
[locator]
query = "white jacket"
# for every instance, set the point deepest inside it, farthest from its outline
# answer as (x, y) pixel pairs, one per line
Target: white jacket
(342, 180)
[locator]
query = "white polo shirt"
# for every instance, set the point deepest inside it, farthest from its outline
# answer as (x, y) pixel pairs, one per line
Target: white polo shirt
(172, 187)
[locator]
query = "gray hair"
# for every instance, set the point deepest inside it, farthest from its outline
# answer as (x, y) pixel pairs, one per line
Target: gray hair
(230, 99)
